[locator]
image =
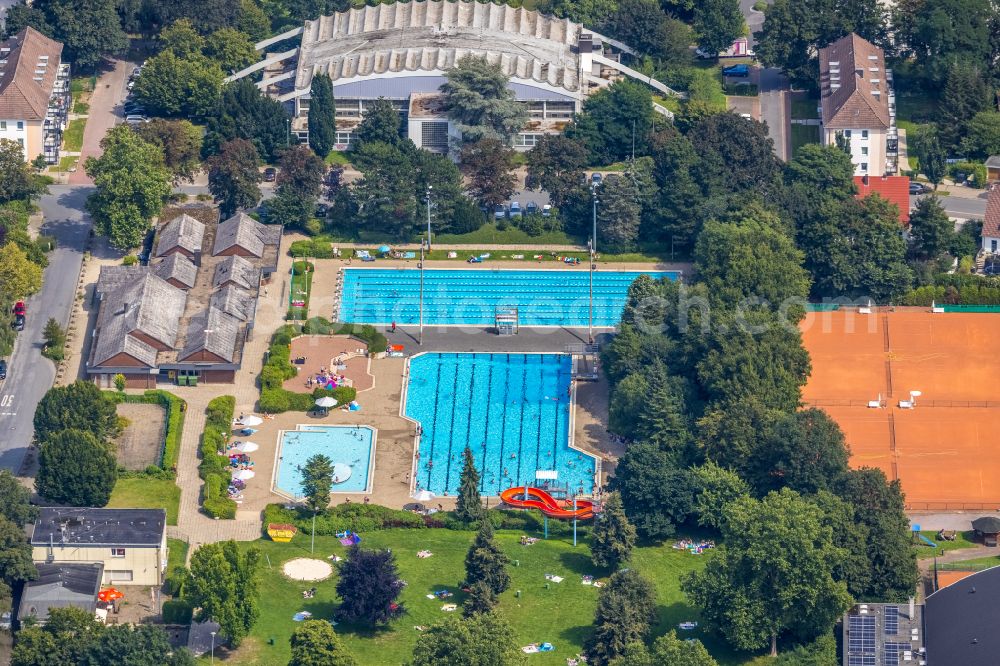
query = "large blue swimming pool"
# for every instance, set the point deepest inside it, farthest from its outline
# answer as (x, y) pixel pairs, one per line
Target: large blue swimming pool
(513, 410)
(471, 297)
(349, 447)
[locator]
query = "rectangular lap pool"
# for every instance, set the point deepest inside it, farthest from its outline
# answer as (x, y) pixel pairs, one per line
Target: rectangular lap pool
(471, 297)
(513, 410)
(351, 448)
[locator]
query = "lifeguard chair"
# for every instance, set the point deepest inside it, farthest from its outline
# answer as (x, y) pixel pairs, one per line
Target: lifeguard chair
(507, 320)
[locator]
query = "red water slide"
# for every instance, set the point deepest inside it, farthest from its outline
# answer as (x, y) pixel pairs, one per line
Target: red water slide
(541, 500)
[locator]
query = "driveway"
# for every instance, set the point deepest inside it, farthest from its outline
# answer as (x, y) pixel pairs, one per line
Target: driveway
(775, 112)
(29, 375)
(754, 19)
(103, 115)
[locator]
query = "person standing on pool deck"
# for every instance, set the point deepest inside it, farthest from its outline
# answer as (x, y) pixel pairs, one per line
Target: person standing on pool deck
(393, 327)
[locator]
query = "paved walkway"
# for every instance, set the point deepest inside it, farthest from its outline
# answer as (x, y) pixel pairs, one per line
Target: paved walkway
(110, 90)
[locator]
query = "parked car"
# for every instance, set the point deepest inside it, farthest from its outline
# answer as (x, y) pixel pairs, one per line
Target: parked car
(3, 369)
(322, 209)
(19, 308)
(515, 209)
(546, 210)
(136, 119)
(918, 188)
(707, 55)
(270, 174)
(596, 178)
(739, 71)
(18, 324)
(499, 212)
(531, 208)
(132, 106)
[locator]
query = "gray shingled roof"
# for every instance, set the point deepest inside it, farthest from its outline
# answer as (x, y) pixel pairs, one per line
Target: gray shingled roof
(237, 269)
(247, 233)
(178, 267)
(113, 278)
(992, 161)
(151, 306)
(234, 301)
(214, 331)
(184, 232)
(62, 585)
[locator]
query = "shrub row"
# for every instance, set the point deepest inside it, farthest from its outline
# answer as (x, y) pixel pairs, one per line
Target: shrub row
(174, 407)
(274, 398)
(376, 342)
(214, 469)
(316, 248)
(177, 611)
(355, 517)
(952, 295)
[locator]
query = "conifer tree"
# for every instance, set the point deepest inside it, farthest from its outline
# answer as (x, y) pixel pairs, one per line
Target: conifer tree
(322, 115)
(486, 562)
(469, 507)
(613, 536)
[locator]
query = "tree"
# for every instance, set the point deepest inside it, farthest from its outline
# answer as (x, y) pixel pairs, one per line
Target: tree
(620, 212)
(613, 120)
(17, 182)
(141, 645)
(88, 29)
(728, 431)
(667, 649)
(244, 112)
(171, 86)
(485, 639)
(385, 195)
(656, 494)
(478, 99)
(773, 574)
(625, 609)
(479, 599)
(717, 23)
(929, 152)
(16, 565)
(652, 406)
(379, 122)
(486, 562)
(76, 468)
(556, 165)
(224, 584)
(19, 277)
(301, 172)
(182, 38)
(253, 22)
(930, 228)
(982, 135)
(317, 478)
(469, 505)
(80, 405)
(369, 586)
(67, 635)
(322, 115)
(677, 214)
(804, 451)
(180, 142)
(725, 139)
(315, 643)
(15, 500)
(613, 536)
(54, 338)
(964, 95)
(644, 26)
(231, 48)
(717, 487)
(490, 167)
(233, 177)
(132, 183)
(585, 12)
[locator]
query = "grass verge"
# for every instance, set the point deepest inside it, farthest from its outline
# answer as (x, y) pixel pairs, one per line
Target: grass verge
(337, 158)
(177, 550)
(143, 492)
(300, 290)
(803, 134)
(67, 162)
(962, 540)
(804, 108)
(73, 137)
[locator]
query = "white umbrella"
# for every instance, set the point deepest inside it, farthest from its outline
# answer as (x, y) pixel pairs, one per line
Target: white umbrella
(326, 401)
(243, 475)
(424, 496)
(246, 447)
(250, 420)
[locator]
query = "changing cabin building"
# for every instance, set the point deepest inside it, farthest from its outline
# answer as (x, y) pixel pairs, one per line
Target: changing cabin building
(401, 51)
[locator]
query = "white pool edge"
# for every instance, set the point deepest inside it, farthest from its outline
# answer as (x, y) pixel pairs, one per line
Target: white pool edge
(369, 482)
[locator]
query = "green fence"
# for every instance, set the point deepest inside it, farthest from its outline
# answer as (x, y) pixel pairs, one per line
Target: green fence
(970, 308)
(822, 307)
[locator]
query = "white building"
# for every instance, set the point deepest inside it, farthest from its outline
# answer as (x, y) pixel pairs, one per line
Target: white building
(858, 104)
(400, 51)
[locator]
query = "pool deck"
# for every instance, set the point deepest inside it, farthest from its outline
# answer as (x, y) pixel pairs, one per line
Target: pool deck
(318, 351)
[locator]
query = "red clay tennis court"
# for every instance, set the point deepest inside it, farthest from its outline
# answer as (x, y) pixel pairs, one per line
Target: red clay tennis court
(944, 450)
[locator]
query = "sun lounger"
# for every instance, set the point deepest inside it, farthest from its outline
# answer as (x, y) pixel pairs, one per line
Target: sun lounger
(449, 608)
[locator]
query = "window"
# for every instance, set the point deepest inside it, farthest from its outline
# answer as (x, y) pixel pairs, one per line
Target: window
(20, 125)
(864, 166)
(21, 141)
(122, 576)
(117, 552)
(864, 151)
(993, 245)
(864, 134)
(3, 124)
(847, 133)
(526, 140)
(345, 138)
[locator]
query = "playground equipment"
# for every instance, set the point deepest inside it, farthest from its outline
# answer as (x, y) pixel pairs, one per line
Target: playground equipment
(522, 497)
(926, 540)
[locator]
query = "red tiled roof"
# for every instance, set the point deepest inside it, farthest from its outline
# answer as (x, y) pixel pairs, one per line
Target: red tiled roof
(895, 189)
(851, 72)
(991, 221)
(28, 70)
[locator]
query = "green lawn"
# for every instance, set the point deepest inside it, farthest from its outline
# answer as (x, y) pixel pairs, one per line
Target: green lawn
(488, 234)
(962, 540)
(177, 550)
(561, 614)
(81, 108)
(67, 162)
(804, 108)
(337, 157)
(73, 137)
(649, 256)
(147, 493)
(975, 564)
(915, 108)
(300, 290)
(803, 134)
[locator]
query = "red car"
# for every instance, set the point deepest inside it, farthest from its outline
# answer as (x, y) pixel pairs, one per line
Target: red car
(19, 308)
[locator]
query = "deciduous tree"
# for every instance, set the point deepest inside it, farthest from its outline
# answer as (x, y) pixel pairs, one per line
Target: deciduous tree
(614, 120)
(485, 639)
(656, 494)
(469, 505)
(322, 115)
(180, 142)
(17, 182)
(132, 183)
(19, 277)
(79, 405)
(930, 228)
(717, 24)
(76, 468)
(182, 38)
(64, 639)
(233, 176)
(15, 500)
(804, 451)
(231, 48)
(613, 536)
(171, 85)
(643, 25)
(982, 135)
(224, 585)
(716, 487)
(380, 122)
(556, 165)
(490, 167)
(15, 554)
(315, 643)
(667, 649)
(141, 645)
(88, 29)
(368, 587)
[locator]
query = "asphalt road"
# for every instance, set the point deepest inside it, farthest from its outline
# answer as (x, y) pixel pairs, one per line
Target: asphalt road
(961, 206)
(29, 375)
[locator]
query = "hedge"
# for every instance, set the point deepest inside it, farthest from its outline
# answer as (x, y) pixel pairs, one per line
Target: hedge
(214, 469)
(355, 517)
(953, 295)
(376, 342)
(177, 611)
(316, 248)
(175, 408)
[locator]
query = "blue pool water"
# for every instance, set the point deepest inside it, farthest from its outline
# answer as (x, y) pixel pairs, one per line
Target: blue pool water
(344, 445)
(471, 297)
(511, 409)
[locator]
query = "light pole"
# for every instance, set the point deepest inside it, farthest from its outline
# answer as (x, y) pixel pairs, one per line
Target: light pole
(593, 251)
(420, 336)
(213, 647)
(428, 200)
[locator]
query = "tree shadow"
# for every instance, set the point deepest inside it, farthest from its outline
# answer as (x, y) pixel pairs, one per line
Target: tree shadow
(579, 563)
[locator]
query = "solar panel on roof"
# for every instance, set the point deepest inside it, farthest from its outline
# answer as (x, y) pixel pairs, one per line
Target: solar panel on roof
(861, 660)
(891, 620)
(891, 653)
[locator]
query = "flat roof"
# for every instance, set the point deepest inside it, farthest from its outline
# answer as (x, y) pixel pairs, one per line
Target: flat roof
(962, 621)
(99, 527)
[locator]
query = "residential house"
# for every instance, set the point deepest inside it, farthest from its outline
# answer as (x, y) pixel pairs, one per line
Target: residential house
(894, 189)
(34, 94)
(858, 106)
(992, 168)
(130, 544)
(60, 586)
(991, 222)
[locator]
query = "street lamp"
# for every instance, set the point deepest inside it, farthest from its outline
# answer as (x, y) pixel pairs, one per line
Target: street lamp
(428, 200)
(592, 247)
(423, 241)
(213, 647)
